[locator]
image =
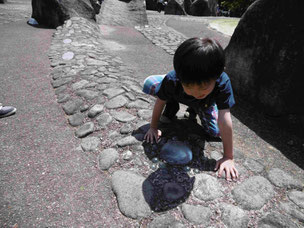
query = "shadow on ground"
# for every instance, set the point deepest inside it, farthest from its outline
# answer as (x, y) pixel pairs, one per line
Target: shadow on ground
(170, 185)
(283, 133)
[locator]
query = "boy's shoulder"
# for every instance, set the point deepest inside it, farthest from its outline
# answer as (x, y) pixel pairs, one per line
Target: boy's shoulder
(172, 76)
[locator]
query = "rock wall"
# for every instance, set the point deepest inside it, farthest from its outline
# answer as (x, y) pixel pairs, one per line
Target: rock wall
(53, 13)
(265, 56)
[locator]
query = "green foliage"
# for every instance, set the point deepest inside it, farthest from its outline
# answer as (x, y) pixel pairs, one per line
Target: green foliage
(236, 7)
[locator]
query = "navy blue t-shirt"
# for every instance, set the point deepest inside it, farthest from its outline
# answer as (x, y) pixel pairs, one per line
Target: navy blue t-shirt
(222, 95)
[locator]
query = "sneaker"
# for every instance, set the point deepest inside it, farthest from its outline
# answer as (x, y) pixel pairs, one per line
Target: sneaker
(7, 111)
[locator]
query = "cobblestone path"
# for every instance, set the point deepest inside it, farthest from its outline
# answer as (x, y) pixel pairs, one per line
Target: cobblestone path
(110, 114)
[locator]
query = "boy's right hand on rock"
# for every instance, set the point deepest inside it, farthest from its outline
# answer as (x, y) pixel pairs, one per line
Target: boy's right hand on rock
(152, 134)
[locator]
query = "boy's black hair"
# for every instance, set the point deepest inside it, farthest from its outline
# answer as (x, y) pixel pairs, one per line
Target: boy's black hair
(199, 60)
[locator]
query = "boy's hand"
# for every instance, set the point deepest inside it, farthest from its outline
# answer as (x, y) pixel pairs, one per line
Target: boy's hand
(227, 165)
(152, 133)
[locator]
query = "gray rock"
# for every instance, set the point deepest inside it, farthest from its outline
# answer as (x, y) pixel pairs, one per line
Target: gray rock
(291, 210)
(72, 106)
(84, 108)
(145, 114)
(63, 98)
(127, 155)
(116, 102)
(95, 62)
(107, 158)
(127, 187)
(113, 92)
(165, 221)
(123, 116)
(138, 148)
(60, 82)
(216, 155)
(85, 130)
(76, 119)
(297, 197)
(80, 84)
(253, 165)
(138, 104)
(281, 179)
(60, 90)
(234, 216)
(276, 220)
(68, 55)
(273, 92)
(127, 141)
(95, 110)
(126, 129)
(87, 94)
(207, 187)
(90, 143)
(104, 119)
(253, 193)
(197, 214)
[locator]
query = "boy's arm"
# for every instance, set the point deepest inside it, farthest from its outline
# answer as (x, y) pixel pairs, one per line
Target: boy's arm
(226, 163)
(153, 132)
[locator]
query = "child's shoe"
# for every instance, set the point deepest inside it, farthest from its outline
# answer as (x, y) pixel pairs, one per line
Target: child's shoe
(6, 111)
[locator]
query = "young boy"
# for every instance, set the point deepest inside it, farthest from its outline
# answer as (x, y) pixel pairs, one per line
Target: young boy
(199, 82)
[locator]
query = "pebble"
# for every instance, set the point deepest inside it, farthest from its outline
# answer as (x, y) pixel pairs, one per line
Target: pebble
(123, 116)
(127, 141)
(107, 158)
(104, 119)
(90, 143)
(116, 102)
(72, 106)
(76, 119)
(95, 110)
(85, 130)
(113, 92)
(68, 55)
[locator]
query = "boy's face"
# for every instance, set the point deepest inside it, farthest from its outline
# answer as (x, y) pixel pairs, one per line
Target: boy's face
(199, 91)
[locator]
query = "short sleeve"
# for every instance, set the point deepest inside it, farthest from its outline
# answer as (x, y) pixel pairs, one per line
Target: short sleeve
(225, 98)
(167, 88)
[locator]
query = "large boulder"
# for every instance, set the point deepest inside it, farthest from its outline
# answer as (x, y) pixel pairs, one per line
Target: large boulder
(265, 56)
(203, 8)
(195, 8)
(53, 13)
(175, 7)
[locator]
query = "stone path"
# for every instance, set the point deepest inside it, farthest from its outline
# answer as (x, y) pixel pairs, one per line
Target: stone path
(110, 114)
